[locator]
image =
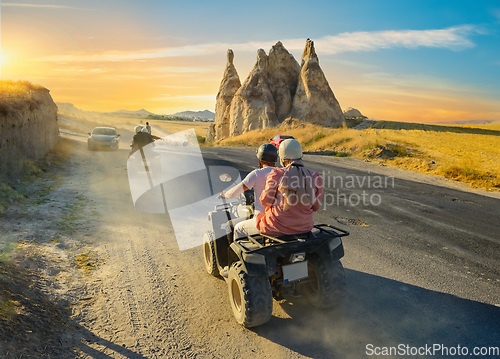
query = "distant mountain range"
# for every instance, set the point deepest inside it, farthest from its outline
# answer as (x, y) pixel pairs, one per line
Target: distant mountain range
(467, 122)
(138, 113)
(72, 110)
(206, 114)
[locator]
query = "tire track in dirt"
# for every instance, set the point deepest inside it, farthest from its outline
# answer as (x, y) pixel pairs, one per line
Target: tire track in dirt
(144, 306)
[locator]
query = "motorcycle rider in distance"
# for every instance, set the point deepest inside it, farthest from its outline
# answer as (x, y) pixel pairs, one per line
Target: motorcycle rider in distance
(141, 138)
(267, 155)
(291, 194)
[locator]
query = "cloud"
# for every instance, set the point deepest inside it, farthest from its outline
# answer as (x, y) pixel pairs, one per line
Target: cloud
(10, 4)
(453, 38)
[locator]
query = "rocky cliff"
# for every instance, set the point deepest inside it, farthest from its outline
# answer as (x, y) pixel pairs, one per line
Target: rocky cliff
(276, 88)
(28, 126)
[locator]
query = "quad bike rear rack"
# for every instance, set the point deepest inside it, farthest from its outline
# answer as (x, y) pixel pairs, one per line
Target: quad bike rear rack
(291, 240)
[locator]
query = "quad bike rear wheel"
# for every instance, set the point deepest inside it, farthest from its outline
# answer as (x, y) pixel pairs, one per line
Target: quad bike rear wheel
(251, 297)
(327, 285)
(209, 257)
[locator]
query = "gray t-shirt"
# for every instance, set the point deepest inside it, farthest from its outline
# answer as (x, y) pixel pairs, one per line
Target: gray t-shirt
(257, 180)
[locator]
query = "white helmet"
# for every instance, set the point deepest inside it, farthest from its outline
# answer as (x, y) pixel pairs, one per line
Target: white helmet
(144, 129)
(137, 129)
(290, 149)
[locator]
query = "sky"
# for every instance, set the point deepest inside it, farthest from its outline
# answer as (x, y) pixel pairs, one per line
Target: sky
(398, 60)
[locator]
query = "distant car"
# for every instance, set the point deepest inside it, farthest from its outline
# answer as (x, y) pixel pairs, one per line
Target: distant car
(104, 138)
(276, 140)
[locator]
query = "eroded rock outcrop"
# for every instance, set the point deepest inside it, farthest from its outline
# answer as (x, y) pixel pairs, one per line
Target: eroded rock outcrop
(283, 76)
(276, 88)
(228, 87)
(353, 113)
(314, 100)
(253, 104)
(28, 129)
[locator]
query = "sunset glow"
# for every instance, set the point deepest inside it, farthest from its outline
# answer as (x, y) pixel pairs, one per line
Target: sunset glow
(171, 57)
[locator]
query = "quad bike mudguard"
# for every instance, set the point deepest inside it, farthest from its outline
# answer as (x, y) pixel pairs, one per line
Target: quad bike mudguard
(221, 242)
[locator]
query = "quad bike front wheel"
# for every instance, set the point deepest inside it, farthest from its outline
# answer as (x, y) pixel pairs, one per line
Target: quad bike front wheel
(251, 297)
(209, 254)
(326, 285)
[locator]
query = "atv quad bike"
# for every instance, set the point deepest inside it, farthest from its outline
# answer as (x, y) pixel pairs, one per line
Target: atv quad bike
(260, 267)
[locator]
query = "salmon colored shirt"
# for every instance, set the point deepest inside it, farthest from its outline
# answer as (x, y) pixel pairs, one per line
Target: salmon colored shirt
(297, 219)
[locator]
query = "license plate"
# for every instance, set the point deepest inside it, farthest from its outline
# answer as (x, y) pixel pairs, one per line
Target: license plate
(294, 271)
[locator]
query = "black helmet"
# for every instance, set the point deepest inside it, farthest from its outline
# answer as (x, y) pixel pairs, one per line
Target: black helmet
(267, 153)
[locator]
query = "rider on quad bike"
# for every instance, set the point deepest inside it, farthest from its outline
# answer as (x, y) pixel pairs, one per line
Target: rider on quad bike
(141, 138)
(289, 256)
(267, 155)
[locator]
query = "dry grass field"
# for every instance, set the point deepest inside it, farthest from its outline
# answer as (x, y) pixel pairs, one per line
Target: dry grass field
(128, 123)
(200, 128)
(467, 157)
(14, 94)
(17, 89)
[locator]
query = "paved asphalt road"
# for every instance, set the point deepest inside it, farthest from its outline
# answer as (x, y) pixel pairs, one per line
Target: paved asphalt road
(422, 261)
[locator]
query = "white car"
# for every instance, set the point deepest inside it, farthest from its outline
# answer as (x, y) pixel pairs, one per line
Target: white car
(103, 138)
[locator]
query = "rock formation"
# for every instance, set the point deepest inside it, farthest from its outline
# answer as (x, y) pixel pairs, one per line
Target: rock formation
(353, 113)
(276, 88)
(283, 75)
(253, 104)
(229, 85)
(314, 100)
(28, 129)
(211, 137)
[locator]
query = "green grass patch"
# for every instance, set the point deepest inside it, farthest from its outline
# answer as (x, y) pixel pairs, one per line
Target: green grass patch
(87, 261)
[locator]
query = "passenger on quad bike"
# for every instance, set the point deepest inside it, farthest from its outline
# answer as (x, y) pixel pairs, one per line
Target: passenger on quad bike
(291, 195)
(267, 155)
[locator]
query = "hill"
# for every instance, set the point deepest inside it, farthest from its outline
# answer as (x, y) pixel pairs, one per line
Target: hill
(206, 114)
(393, 125)
(72, 110)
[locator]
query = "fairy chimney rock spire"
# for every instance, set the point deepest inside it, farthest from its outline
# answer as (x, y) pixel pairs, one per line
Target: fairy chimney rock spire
(309, 52)
(314, 100)
(283, 75)
(253, 105)
(229, 85)
(262, 60)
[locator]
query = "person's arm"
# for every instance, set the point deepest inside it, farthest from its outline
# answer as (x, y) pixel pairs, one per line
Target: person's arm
(234, 191)
(268, 195)
(318, 182)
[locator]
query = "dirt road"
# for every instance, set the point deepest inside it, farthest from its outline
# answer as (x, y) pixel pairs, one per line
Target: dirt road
(147, 299)
(150, 300)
